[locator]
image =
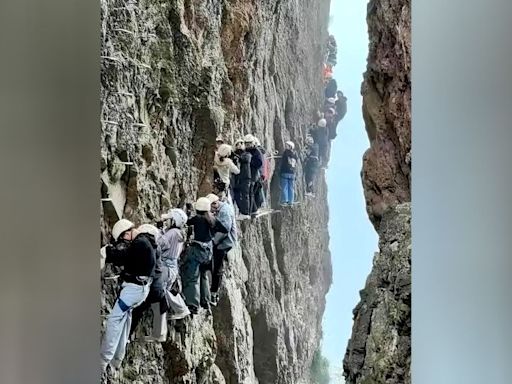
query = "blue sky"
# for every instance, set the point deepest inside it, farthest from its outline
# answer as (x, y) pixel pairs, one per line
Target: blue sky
(353, 239)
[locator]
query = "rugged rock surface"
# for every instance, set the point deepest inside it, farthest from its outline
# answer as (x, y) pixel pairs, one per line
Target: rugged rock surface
(386, 94)
(379, 350)
(175, 74)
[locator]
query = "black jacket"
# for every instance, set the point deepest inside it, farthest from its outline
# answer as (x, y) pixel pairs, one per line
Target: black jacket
(138, 259)
(256, 163)
(341, 108)
(331, 88)
(245, 166)
(287, 159)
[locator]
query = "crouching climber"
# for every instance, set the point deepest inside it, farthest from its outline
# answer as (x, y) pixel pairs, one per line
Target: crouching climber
(196, 287)
(171, 246)
(138, 259)
(287, 173)
(222, 241)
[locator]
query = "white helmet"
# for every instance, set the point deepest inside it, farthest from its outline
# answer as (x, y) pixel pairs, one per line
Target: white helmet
(322, 123)
(331, 100)
(121, 226)
(212, 197)
(290, 144)
(225, 150)
(149, 228)
(177, 216)
(249, 138)
(257, 142)
(203, 204)
(219, 138)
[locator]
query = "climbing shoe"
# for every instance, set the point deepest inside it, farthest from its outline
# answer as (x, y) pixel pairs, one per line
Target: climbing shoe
(215, 299)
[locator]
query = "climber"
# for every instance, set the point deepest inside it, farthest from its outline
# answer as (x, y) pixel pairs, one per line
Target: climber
(256, 165)
(341, 106)
(330, 88)
(310, 165)
(218, 142)
(322, 139)
(225, 166)
(138, 259)
(196, 287)
(287, 173)
(156, 298)
(242, 185)
(260, 197)
(222, 241)
(171, 247)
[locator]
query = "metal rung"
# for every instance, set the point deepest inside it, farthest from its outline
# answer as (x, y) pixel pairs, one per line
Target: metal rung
(139, 125)
(124, 162)
(110, 122)
(106, 199)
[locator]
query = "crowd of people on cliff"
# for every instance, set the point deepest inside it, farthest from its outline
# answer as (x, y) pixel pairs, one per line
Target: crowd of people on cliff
(175, 266)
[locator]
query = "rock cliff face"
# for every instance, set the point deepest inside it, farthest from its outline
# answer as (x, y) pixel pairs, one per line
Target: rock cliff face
(174, 75)
(379, 350)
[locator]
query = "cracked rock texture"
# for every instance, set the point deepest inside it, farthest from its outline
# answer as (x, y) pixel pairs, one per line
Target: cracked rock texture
(386, 94)
(174, 75)
(379, 351)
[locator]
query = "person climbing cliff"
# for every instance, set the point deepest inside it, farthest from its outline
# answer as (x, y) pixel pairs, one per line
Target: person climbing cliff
(321, 137)
(224, 166)
(222, 241)
(287, 173)
(156, 297)
(311, 163)
(171, 245)
(341, 106)
(330, 88)
(242, 186)
(218, 142)
(196, 286)
(256, 165)
(330, 118)
(260, 197)
(137, 257)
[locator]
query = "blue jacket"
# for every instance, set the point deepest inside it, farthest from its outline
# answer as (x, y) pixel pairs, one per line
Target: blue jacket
(226, 218)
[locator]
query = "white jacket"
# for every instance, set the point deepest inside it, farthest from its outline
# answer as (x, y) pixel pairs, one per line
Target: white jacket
(225, 168)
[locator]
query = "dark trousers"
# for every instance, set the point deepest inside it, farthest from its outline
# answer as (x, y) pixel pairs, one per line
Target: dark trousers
(259, 197)
(137, 312)
(309, 174)
(219, 256)
(243, 196)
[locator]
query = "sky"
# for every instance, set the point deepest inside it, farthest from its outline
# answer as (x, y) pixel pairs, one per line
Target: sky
(353, 240)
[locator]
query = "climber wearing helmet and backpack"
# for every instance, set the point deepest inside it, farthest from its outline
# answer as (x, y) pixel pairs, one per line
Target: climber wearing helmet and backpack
(171, 246)
(222, 241)
(256, 167)
(322, 139)
(156, 298)
(224, 166)
(287, 173)
(138, 260)
(310, 165)
(196, 287)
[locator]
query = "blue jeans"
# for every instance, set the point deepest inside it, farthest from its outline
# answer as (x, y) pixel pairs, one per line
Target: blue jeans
(287, 191)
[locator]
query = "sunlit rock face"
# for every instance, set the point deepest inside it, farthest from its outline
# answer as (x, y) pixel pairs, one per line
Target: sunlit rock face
(174, 75)
(379, 350)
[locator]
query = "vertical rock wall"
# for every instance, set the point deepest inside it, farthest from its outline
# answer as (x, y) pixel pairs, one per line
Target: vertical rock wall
(379, 350)
(174, 75)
